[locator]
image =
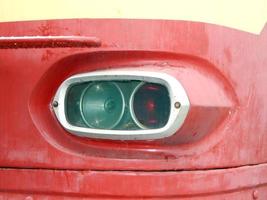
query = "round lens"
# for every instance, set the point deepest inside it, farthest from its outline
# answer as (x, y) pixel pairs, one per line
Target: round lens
(150, 105)
(102, 105)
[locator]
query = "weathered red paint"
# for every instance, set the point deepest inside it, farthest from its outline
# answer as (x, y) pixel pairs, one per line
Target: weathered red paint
(223, 71)
(197, 184)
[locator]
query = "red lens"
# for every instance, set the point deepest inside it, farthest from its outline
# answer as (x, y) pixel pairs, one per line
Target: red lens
(151, 105)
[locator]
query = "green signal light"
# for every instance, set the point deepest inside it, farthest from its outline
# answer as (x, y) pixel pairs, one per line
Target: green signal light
(102, 105)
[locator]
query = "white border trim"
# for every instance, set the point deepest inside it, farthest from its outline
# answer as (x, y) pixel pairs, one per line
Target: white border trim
(176, 92)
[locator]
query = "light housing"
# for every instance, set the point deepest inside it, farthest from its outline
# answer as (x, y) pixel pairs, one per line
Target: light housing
(120, 104)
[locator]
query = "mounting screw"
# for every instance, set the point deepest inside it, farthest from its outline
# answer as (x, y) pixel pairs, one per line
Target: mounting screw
(55, 104)
(177, 104)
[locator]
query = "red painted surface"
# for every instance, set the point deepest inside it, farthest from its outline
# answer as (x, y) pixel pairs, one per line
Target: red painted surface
(106, 184)
(225, 76)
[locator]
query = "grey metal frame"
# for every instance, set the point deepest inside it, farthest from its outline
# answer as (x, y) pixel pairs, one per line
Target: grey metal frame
(175, 89)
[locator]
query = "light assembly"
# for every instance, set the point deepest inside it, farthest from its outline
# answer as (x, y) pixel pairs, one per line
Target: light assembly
(121, 104)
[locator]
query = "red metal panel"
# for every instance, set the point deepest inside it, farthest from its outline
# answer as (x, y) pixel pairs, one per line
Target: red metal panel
(233, 60)
(236, 183)
(223, 71)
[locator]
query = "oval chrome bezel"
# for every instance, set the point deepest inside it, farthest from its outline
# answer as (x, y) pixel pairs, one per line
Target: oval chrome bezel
(176, 93)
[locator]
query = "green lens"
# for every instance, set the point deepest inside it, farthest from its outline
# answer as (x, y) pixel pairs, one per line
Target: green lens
(102, 105)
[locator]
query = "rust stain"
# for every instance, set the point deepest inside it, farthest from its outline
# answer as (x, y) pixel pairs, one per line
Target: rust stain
(48, 42)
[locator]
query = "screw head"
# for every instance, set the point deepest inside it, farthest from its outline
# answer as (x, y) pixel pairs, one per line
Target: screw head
(55, 104)
(177, 104)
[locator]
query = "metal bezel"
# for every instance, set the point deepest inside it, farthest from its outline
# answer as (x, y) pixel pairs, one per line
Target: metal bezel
(175, 89)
